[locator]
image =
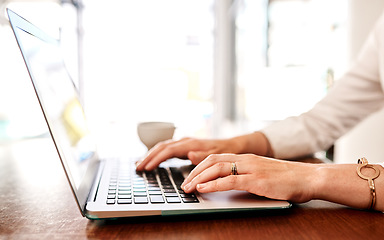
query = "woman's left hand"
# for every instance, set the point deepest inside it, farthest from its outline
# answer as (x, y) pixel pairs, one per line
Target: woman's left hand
(276, 179)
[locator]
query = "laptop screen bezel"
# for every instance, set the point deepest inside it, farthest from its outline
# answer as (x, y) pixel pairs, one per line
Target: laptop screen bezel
(81, 193)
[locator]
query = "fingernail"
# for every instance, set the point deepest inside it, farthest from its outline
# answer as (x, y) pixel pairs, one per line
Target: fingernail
(184, 183)
(201, 186)
(186, 187)
(191, 154)
(138, 166)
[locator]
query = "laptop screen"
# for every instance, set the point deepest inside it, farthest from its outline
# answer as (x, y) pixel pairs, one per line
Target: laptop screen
(59, 101)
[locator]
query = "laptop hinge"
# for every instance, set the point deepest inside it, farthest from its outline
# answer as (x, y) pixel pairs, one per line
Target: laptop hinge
(96, 183)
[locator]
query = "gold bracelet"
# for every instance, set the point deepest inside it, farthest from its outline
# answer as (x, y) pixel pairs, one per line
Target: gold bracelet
(363, 163)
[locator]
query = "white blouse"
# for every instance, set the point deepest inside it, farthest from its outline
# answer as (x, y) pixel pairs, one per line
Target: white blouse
(356, 95)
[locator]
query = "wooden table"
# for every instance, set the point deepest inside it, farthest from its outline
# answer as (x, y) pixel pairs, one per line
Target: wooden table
(36, 203)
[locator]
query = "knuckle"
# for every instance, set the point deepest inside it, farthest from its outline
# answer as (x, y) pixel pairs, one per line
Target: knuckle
(197, 178)
(215, 185)
(170, 147)
(236, 182)
(247, 155)
(162, 144)
(220, 166)
(233, 180)
(212, 157)
(188, 140)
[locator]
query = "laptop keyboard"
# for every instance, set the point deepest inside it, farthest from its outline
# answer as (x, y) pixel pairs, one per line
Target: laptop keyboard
(127, 186)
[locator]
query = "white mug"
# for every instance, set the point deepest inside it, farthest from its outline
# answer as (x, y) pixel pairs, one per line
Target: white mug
(151, 133)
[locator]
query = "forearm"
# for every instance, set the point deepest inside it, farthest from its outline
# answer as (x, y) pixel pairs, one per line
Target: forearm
(340, 183)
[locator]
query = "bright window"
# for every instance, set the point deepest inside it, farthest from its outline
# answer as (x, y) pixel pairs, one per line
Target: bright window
(153, 60)
(149, 60)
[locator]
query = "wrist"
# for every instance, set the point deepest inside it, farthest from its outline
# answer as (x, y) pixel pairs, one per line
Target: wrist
(255, 143)
(319, 182)
(237, 144)
(340, 183)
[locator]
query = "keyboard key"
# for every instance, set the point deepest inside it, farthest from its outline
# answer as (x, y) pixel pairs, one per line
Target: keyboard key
(124, 179)
(185, 195)
(177, 176)
(155, 193)
(122, 185)
(124, 196)
(139, 194)
(190, 200)
(162, 171)
(169, 190)
(173, 200)
(154, 189)
(138, 181)
(156, 199)
(128, 186)
(150, 175)
(152, 183)
(124, 201)
(125, 192)
(141, 200)
(164, 178)
(171, 194)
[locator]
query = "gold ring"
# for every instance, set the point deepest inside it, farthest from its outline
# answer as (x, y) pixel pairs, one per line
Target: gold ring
(233, 169)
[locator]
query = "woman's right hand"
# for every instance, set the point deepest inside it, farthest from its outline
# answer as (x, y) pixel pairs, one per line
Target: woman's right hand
(197, 150)
(193, 149)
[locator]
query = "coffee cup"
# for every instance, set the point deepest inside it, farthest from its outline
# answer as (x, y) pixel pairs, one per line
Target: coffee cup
(151, 133)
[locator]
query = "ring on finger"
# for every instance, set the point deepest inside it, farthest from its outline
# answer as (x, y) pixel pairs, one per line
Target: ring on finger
(233, 169)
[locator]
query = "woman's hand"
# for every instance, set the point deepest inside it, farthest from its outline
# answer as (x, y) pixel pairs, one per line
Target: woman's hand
(262, 176)
(197, 150)
(194, 149)
(285, 180)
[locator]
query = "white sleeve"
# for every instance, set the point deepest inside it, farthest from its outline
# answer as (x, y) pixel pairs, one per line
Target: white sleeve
(356, 95)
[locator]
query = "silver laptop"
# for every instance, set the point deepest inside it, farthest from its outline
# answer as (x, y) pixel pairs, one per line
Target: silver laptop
(110, 188)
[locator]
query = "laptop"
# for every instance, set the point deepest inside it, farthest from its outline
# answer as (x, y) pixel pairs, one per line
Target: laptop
(110, 187)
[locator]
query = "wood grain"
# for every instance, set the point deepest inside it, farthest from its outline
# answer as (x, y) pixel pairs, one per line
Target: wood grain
(36, 203)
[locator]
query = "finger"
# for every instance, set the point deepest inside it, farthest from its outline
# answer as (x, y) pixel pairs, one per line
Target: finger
(198, 156)
(175, 149)
(232, 182)
(220, 169)
(206, 163)
(167, 150)
(157, 154)
(149, 156)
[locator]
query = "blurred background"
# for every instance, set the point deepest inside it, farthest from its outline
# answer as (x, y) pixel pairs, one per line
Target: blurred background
(216, 68)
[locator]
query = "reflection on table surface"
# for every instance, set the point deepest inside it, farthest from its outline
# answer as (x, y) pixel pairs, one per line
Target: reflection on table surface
(36, 202)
